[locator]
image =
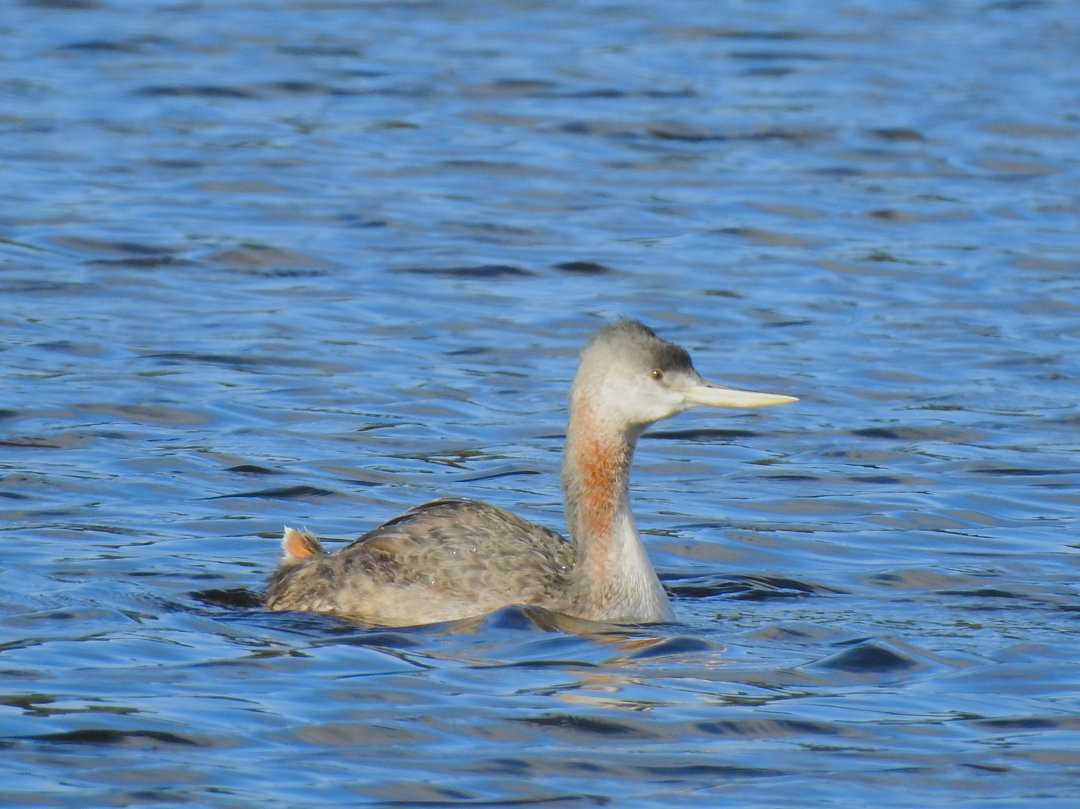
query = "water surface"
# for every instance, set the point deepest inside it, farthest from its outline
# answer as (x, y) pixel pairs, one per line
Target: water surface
(314, 263)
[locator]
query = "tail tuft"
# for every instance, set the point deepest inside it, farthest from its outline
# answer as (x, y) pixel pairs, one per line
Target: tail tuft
(300, 545)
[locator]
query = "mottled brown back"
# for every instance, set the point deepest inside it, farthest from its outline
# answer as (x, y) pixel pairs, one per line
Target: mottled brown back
(450, 558)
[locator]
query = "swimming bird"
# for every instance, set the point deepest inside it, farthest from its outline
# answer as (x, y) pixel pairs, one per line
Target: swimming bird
(457, 558)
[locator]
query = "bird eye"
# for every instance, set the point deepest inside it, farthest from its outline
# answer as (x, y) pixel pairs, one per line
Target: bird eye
(656, 374)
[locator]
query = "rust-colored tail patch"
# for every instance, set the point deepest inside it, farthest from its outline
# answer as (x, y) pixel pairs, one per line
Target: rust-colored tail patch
(300, 545)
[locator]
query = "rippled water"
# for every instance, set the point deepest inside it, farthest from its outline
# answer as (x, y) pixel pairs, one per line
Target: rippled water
(315, 262)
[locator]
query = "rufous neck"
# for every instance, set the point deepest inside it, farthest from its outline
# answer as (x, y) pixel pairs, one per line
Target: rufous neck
(613, 578)
(595, 477)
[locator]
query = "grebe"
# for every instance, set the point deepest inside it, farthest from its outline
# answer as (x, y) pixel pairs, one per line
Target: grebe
(455, 558)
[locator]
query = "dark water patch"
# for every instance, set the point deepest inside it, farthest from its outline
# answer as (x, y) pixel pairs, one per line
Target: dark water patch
(471, 351)
(911, 434)
(614, 93)
(871, 659)
(799, 136)
(878, 432)
(494, 474)
(121, 247)
(779, 55)
(1028, 723)
(170, 164)
(676, 646)
(531, 664)
(129, 45)
(881, 480)
(895, 215)
(143, 263)
(67, 289)
(160, 415)
(589, 727)
(452, 457)
(286, 272)
(234, 361)
(434, 797)
(250, 362)
(490, 167)
(75, 349)
(47, 705)
(197, 91)
(765, 728)
(252, 469)
(353, 221)
(81, 615)
(984, 592)
(745, 588)
(680, 130)
(232, 598)
(590, 128)
(510, 88)
(839, 172)
(723, 293)
(583, 268)
(791, 477)
(332, 51)
(490, 271)
(898, 135)
(311, 628)
(64, 5)
(514, 619)
(378, 639)
(1001, 470)
(705, 434)
(294, 87)
(300, 492)
(797, 633)
(764, 588)
(53, 441)
(141, 739)
(772, 71)
(720, 772)
(729, 32)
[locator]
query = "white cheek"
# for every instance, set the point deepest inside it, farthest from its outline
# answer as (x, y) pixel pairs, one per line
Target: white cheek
(665, 402)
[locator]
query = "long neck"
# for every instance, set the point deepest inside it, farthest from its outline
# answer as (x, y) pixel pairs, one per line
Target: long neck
(614, 579)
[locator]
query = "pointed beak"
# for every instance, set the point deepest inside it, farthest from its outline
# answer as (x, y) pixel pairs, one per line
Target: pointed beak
(706, 393)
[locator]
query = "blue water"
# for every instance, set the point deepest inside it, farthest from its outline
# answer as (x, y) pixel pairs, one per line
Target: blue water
(313, 263)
